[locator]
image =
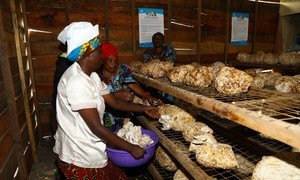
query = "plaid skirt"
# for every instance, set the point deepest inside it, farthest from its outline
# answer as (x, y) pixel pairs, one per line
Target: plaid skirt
(109, 172)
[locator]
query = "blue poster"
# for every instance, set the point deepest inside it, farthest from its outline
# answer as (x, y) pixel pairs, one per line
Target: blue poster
(151, 21)
(239, 29)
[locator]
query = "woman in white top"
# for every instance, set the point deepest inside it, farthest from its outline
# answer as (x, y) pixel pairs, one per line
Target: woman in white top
(81, 139)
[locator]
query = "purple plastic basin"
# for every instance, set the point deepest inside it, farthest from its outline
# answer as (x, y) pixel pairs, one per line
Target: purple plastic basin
(124, 159)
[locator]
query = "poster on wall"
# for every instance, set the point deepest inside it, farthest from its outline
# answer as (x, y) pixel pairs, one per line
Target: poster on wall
(239, 28)
(151, 21)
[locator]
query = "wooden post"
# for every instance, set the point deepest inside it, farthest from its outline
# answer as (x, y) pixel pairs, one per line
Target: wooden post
(22, 77)
(169, 22)
(29, 59)
(67, 12)
(228, 15)
(199, 30)
(254, 28)
(106, 20)
(12, 108)
(133, 31)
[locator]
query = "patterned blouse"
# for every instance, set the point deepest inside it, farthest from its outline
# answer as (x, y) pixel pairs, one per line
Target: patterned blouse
(113, 119)
(119, 82)
(167, 54)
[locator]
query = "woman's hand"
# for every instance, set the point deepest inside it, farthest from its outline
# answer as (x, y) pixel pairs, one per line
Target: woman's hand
(154, 101)
(152, 112)
(137, 152)
(124, 95)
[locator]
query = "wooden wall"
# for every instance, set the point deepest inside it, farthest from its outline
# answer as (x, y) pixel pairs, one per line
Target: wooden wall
(205, 39)
(18, 113)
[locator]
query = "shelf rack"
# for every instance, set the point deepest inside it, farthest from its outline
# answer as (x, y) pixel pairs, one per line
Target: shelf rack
(271, 113)
(176, 145)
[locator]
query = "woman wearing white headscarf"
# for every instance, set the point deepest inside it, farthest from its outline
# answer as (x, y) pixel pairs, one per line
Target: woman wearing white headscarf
(81, 139)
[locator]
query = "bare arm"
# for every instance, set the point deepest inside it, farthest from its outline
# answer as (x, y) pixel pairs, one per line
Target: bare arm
(91, 118)
(127, 106)
(136, 88)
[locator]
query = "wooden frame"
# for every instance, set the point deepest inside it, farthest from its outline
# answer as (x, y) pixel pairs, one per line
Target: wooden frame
(22, 76)
(285, 132)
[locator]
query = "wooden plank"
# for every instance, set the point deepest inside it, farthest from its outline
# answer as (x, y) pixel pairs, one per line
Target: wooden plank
(186, 58)
(93, 17)
(9, 88)
(228, 20)
(42, 20)
(120, 34)
(199, 21)
(22, 77)
(183, 159)
(10, 166)
(45, 122)
(3, 98)
(32, 87)
(45, 5)
(154, 173)
(44, 90)
(25, 138)
(285, 132)
(44, 62)
(22, 120)
(7, 144)
(106, 10)
(44, 77)
(11, 48)
(133, 12)
(20, 104)
(4, 123)
(170, 16)
(46, 37)
(212, 47)
(42, 48)
(184, 34)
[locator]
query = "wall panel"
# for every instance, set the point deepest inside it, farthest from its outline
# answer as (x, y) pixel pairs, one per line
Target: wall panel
(214, 45)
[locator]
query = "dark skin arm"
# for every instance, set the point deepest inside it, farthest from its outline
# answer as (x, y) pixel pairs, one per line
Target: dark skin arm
(123, 95)
(91, 118)
(126, 106)
(140, 92)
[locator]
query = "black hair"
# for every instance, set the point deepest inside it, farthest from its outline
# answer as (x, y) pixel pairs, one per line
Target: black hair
(63, 47)
(158, 34)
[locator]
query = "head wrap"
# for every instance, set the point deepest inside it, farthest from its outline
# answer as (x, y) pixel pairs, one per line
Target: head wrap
(81, 38)
(108, 49)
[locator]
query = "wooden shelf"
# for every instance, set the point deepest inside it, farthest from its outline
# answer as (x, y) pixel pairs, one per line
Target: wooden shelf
(242, 109)
(195, 171)
(284, 69)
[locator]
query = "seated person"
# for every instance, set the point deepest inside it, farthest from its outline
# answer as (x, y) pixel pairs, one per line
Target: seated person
(121, 85)
(159, 50)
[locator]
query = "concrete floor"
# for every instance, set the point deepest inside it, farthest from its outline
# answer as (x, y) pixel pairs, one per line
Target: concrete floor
(45, 168)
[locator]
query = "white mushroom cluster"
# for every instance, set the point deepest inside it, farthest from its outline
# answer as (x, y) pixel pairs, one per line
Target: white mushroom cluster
(155, 68)
(174, 117)
(179, 175)
(231, 81)
(178, 73)
(164, 160)
(286, 84)
(210, 153)
(196, 76)
(193, 129)
(271, 167)
(133, 134)
(245, 166)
